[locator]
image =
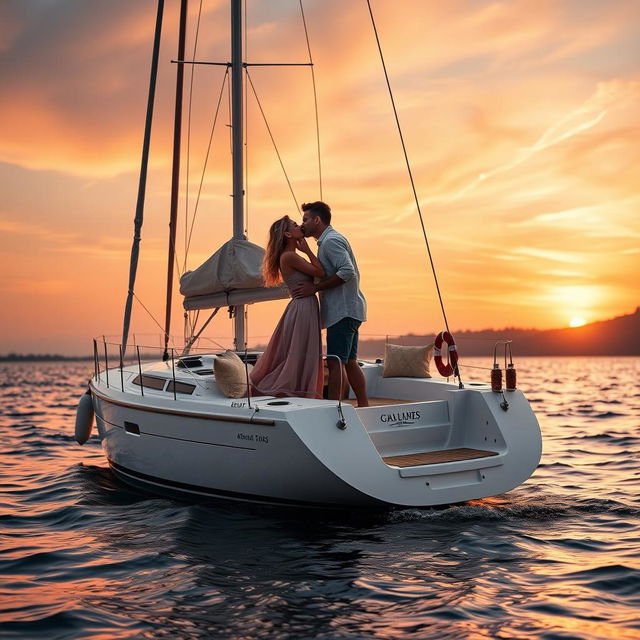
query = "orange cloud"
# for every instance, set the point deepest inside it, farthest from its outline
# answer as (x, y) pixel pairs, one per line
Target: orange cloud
(522, 136)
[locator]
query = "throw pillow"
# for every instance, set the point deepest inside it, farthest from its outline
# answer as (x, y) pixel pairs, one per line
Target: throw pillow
(410, 362)
(230, 374)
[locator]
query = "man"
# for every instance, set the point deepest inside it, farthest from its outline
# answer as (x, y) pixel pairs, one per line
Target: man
(342, 306)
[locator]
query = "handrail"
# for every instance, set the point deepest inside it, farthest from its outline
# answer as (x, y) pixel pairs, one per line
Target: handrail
(184, 370)
(121, 369)
(495, 351)
(106, 362)
(342, 423)
(96, 360)
(173, 374)
(136, 360)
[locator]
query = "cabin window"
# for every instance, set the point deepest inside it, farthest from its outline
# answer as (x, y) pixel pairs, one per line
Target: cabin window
(150, 382)
(181, 387)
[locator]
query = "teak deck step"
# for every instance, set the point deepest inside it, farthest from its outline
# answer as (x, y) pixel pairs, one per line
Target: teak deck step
(435, 457)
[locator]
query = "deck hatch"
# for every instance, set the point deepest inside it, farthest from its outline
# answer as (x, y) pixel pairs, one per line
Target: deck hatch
(190, 363)
(181, 387)
(150, 382)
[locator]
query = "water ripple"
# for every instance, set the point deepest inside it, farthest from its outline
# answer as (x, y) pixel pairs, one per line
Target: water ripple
(84, 556)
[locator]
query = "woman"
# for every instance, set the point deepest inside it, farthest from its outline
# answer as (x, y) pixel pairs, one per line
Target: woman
(291, 364)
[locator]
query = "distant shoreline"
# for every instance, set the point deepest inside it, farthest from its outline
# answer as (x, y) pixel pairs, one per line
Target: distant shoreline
(43, 357)
(364, 356)
(618, 336)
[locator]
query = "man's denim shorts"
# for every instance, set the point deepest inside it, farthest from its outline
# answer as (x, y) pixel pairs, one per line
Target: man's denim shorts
(342, 339)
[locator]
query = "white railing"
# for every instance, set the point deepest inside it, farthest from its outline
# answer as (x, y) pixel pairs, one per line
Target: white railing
(108, 359)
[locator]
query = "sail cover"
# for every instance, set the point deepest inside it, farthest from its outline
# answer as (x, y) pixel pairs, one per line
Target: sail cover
(232, 275)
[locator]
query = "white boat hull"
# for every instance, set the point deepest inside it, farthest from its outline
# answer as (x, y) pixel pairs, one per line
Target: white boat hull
(295, 454)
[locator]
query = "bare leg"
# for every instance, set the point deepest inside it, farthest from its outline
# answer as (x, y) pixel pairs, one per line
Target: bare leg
(336, 376)
(357, 382)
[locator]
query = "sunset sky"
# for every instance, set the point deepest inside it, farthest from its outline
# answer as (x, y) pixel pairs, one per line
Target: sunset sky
(522, 121)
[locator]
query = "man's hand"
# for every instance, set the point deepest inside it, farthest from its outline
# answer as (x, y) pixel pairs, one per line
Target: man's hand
(303, 290)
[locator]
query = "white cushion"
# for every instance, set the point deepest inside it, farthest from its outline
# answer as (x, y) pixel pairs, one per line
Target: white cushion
(230, 374)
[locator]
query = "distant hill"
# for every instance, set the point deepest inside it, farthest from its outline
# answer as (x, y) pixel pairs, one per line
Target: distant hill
(41, 357)
(618, 336)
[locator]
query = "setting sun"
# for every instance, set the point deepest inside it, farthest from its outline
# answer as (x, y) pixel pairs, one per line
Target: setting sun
(577, 322)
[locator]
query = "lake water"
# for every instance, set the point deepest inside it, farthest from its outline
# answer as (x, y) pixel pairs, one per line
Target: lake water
(84, 556)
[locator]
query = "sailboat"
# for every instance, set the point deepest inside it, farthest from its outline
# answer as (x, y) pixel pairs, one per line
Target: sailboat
(171, 426)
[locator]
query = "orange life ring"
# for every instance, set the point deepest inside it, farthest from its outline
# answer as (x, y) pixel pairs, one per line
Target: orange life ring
(449, 369)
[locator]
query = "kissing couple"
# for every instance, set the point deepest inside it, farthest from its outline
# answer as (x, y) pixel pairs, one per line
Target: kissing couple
(291, 365)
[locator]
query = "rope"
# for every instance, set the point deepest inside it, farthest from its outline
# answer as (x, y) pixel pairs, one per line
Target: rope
(246, 126)
(212, 341)
(193, 57)
(204, 168)
(315, 97)
(229, 116)
(264, 117)
(406, 158)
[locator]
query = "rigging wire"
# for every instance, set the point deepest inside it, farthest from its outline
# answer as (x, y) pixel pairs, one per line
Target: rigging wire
(193, 57)
(204, 168)
(264, 117)
(315, 96)
(229, 116)
(406, 158)
(246, 127)
(164, 333)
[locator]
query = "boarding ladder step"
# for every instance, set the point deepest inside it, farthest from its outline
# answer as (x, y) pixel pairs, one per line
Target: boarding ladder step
(437, 457)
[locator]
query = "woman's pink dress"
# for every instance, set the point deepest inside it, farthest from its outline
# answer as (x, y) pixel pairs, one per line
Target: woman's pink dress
(292, 362)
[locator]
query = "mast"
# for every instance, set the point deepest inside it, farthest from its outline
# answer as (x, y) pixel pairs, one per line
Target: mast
(237, 150)
(175, 176)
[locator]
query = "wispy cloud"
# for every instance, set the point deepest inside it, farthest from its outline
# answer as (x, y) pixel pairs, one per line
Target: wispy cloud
(545, 254)
(609, 95)
(601, 220)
